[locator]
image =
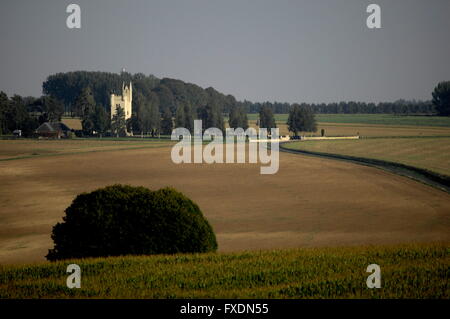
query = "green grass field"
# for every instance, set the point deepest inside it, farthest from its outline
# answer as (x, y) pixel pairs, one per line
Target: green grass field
(383, 119)
(407, 271)
(429, 153)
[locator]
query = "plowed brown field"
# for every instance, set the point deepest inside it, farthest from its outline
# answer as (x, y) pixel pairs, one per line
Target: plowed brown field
(309, 202)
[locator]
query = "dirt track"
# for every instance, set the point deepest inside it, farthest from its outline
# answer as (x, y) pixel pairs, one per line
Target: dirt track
(309, 202)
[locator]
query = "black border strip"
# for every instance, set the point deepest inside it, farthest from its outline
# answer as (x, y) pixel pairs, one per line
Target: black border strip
(170, 308)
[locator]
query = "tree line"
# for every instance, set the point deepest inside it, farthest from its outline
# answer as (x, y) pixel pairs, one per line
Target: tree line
(171, 93)
(401, 107)
(159, 105)
(27, 113)
(301, 119)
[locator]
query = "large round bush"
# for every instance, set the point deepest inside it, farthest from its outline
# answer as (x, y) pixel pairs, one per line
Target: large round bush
(125, 220)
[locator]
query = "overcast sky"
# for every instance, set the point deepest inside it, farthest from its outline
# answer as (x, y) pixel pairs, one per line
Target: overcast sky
(260, 50)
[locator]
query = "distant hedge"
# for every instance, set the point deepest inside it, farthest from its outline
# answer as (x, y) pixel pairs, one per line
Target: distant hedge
(125, 220)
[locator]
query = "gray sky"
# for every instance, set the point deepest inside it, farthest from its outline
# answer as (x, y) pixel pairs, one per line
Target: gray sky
(293, 51)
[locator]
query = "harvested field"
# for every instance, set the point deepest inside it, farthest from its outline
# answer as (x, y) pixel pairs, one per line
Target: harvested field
(310, 202)
(24, 148)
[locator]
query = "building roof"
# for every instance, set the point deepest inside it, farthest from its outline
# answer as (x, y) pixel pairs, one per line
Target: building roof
(52, 127)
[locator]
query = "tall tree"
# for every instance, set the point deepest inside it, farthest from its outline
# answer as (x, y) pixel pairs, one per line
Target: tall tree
(4, 110)
(301, 119)
(18, 113)
(118, 123)
(16, 117)
(53, 108)
(166, 123)
(188, 117)
(154, 114)
(237, 117)
(84, 107)
(266, 118)
(441, 98)
(180, 117)
(166, 97)
(100, 120)
(85, 102)
(211, 116)
(144, 119)
(155, 119)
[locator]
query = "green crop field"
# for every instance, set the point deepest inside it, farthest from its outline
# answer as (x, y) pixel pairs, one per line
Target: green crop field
(428, 153)
(381, 119)
(278, 117)
(407, 271)
(378, 119)
(385, 119)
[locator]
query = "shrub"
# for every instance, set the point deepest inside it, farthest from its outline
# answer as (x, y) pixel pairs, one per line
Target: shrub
(125, 220)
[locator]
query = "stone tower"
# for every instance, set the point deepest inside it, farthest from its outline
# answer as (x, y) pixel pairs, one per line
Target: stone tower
(124, 101)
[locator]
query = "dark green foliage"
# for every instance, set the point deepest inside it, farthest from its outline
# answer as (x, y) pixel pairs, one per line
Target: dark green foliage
(402, 107)
(179, 117)
(85, 107)
(266, 118)
(68, 86)
(166, 97)
(118, 123)
(4, 109)
(84, 103)
(17, 114)
(237, 117)
(51, 109)
(94, 117)
(211, 116)
(170, 92)
(188, 117)
(14, 115)
(146, 117)
(301, 119)
(441, 98)
(125, 220)
(167, 122)
(28, 126)
(184, 116)
(139, 114)
(155, 119)
(100, 120)
(178, 94)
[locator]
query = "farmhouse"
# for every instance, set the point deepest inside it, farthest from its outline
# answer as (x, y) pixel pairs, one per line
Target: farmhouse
(53, 130)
